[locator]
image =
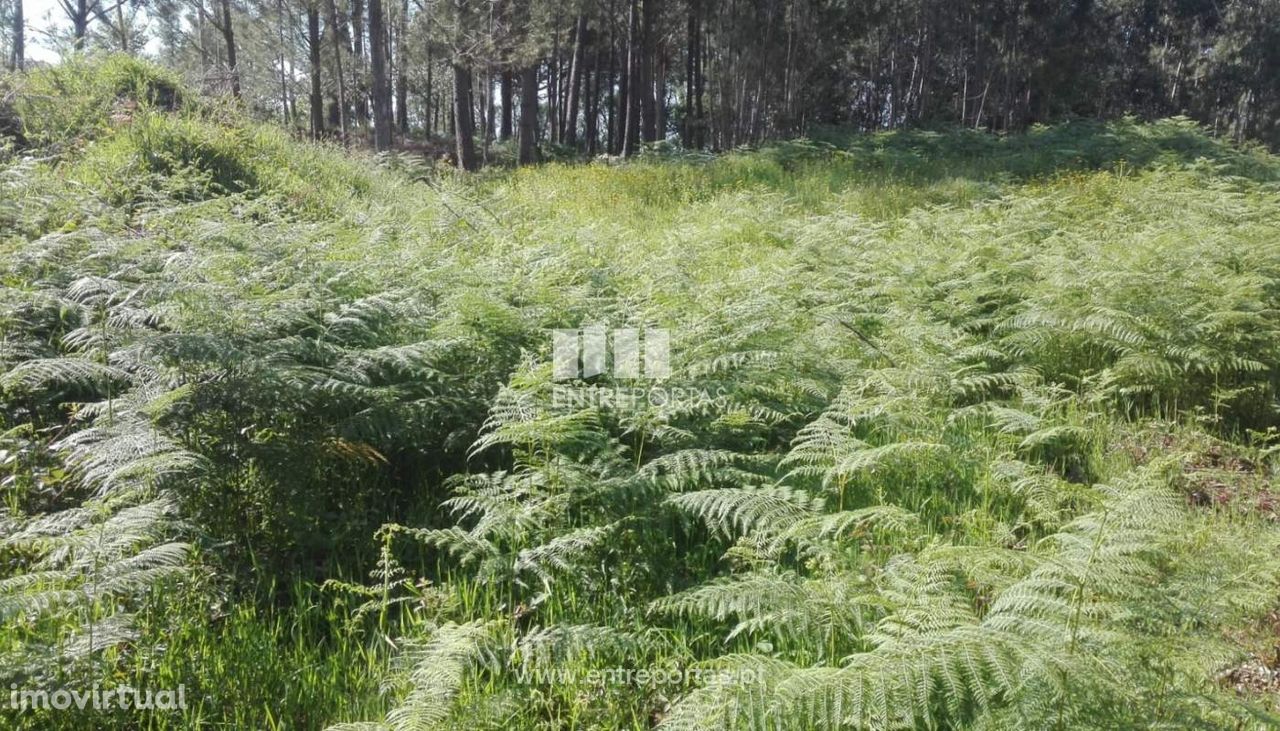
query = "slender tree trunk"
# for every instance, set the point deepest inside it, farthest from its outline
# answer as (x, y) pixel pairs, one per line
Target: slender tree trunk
(402, 70)
(198, 33)
(700, 78)
(529, 115)
(787, 109)
(357, 30)
(317, 99)
(648, 54)
(122, 29)
(284, 79)
(507, 99)
(593, 102)
(340, 105)
(660, 96)
(553, 86)
(358, 53)
(575, 81)
(690, 68)
(588, 99)
(463, 121)
(19, 38)
(80, 24)
(614, 83)
(381, 87)
(229, 35)
(433, 104)
(631, 99)
(487, 110)
(491, 107)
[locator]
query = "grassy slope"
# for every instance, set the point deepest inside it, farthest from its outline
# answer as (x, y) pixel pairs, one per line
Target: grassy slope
(1082, 306)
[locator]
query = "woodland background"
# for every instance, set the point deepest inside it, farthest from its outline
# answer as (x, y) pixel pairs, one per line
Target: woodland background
(606, 76)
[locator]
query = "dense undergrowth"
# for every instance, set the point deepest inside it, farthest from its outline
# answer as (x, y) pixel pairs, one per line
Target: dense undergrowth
(968, 431)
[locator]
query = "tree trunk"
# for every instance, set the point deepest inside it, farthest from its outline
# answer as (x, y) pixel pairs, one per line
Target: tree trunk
(361, 101)
(340, 105)
(19, 38)
(121, 26)
(490, 109)
(700, 80)
(690, 66)
(648, 52)
(381, 88)
(402, 70)
(553, 86)
(593, 102)
(229, 35)
(357, 29)
(463, 121)
(485, 106)
(433, 103)
(614, 83)
(660, 96)
(529, 115)
(575, 82)
(80, 24)
(631, 99)
(507, 97)
(317, 99)
(284, 79)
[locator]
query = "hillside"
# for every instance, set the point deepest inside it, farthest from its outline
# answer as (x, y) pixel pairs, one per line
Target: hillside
(954, 430)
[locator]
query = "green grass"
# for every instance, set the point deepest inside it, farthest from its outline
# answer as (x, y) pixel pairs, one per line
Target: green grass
(993, 441)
